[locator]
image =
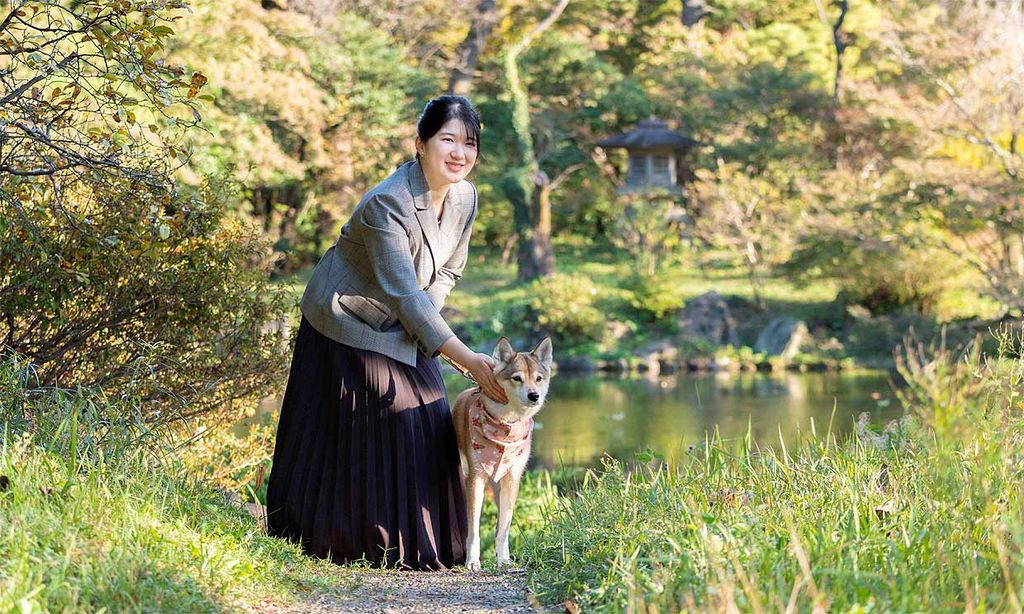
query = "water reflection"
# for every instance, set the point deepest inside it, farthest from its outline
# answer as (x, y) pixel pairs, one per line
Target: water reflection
(586, 417)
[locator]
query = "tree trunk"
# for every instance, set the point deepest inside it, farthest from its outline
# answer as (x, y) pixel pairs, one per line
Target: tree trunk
(840, 45)
(694, 11)
(519, 183)
(485, 17)
(543, 254)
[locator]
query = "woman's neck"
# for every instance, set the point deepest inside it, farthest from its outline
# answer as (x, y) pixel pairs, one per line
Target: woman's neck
(437, 197)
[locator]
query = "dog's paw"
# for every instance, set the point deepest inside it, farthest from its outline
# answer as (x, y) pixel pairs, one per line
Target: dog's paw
(473, 565)
(504, 563)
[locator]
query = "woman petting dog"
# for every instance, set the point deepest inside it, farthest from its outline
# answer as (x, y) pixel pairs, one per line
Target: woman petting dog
(366, 464)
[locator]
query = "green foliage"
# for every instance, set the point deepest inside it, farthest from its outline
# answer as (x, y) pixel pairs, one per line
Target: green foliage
(749, 213)
(564, 306)
(308, 115)
(143, 292)
(86, 89)
(881, 275)
(650, 227)
(109, 275)
(909, 517)
(655, 296)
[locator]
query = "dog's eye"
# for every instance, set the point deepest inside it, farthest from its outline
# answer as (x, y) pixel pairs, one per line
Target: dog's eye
(517, 378)
(540, 377)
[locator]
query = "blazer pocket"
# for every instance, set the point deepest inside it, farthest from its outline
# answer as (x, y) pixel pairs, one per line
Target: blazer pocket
(367, 310)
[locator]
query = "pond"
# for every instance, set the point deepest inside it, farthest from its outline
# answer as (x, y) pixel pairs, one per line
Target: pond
(588, 416)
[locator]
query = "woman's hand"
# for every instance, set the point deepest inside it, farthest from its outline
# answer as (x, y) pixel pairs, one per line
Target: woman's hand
(481, 367)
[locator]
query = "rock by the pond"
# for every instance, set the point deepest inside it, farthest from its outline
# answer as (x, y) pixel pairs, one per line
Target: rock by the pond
(707, 316)
(666, 367)
(699, 364)
(576, 364)
(616, 365)
(657, 357)
(782, 337)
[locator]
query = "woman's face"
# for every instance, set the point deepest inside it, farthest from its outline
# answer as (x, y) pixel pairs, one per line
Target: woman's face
(448, 156)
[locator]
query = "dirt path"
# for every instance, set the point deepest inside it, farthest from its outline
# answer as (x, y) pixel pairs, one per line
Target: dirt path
(387, 591)
(409, 592)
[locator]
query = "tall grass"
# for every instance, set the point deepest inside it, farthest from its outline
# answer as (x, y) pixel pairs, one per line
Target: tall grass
(96, 515)
(922, 516)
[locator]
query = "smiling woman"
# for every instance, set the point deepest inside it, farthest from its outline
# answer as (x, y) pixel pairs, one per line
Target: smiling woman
(450, 152)
(365, 463)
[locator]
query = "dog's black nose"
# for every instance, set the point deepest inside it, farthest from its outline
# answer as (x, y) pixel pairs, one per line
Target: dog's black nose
(533, 396)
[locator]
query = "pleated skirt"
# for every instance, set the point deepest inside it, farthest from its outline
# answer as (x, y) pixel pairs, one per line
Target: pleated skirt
(365, 462)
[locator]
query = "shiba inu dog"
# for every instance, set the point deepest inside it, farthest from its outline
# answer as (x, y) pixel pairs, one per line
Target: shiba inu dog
(494, 440)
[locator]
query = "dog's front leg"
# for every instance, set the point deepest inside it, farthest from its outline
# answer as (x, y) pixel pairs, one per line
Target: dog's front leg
(508, 490)
(475, 484)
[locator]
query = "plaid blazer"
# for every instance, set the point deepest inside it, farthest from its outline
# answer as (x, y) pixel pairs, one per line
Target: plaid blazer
(382, 285)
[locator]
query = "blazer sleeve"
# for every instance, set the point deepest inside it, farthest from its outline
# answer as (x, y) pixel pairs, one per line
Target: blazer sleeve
(388, 249)
(451, 271)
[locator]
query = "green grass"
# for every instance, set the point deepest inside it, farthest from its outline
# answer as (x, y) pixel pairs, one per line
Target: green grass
(924, 517)
(93, 518)
(487, 286)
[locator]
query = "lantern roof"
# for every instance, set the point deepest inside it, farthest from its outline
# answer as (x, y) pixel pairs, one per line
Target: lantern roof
(649, 134)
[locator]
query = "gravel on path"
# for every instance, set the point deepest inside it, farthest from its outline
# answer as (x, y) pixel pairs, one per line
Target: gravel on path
(407, 592)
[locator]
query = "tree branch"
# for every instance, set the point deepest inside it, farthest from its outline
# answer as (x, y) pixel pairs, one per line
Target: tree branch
(28, 84)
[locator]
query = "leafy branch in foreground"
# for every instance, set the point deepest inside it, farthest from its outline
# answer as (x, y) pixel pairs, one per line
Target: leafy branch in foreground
(111, 276)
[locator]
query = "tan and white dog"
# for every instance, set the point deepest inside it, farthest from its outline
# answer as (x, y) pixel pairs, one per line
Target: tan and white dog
(494, 440)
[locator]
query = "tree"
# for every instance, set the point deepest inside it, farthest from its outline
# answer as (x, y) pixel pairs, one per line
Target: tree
(750, 214)
(536, 258)
(309, 113)
(957, 84)
(485, 17)
(83, 90)
(110, 274)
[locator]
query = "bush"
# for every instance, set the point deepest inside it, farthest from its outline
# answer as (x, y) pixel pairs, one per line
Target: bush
(882, 277)
(150, 294)
(563, 305)
(110, 276)
(655, 296)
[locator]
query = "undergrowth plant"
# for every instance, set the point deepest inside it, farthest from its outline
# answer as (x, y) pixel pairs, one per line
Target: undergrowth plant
(923, 515)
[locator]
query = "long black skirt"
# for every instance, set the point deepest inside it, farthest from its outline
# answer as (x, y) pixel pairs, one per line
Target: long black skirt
(366, 464)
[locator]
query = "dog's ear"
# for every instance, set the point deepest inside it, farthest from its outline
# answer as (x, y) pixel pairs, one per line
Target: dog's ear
(543, 352)
(503, 352)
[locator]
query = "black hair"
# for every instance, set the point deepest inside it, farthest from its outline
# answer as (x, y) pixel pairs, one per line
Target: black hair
(440, 110)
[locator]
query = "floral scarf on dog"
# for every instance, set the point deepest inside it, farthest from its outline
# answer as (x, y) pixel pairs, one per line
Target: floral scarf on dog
(497, 445)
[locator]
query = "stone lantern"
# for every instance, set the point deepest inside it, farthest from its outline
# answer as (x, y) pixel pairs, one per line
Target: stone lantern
(655, 156)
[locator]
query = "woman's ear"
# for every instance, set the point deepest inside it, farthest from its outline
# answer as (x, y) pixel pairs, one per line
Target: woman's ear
(419, 146)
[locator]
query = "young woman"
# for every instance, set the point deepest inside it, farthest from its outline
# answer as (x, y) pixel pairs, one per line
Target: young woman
(366, 464)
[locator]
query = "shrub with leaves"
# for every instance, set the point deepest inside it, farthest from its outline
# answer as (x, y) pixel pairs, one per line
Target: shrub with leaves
(655, 296)
(563, 305)
(109, 275)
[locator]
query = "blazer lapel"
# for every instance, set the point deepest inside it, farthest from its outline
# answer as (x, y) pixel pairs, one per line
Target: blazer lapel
(450, 221)
(425, 213)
